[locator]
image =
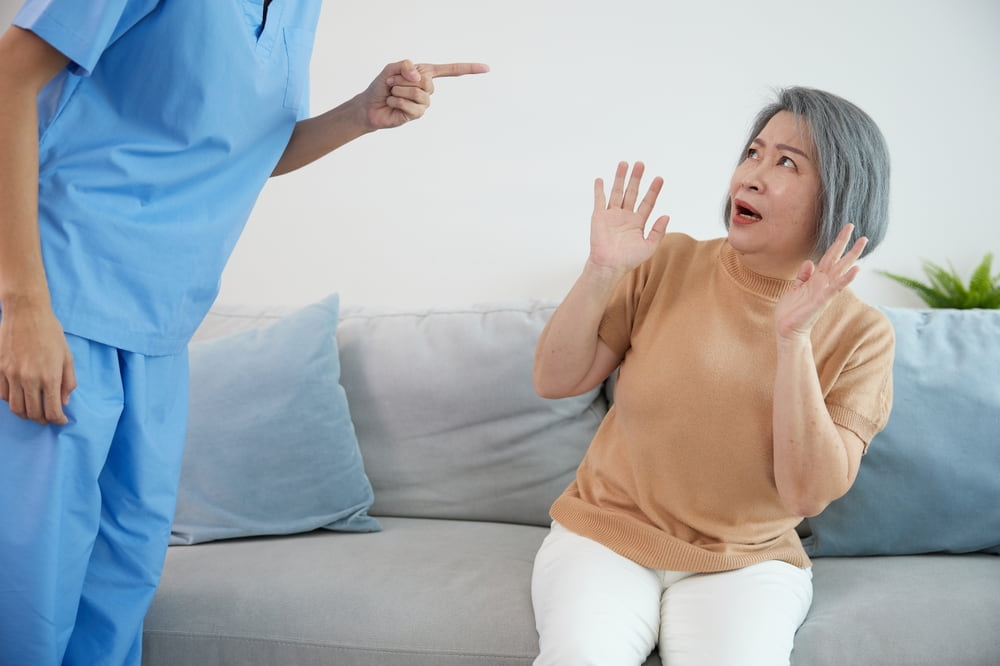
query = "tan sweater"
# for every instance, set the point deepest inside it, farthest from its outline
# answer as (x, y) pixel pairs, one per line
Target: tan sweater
(680, 474)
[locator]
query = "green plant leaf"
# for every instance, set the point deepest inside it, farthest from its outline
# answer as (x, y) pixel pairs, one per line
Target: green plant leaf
(928, 294)
(946, 281)
(945, 288)
(980, 285)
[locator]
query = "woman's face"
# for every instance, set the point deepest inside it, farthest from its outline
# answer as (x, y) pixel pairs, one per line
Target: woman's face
(774, 196)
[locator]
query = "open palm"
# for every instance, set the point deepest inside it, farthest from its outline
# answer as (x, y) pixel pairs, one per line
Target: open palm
(618, 238)
(816, 285)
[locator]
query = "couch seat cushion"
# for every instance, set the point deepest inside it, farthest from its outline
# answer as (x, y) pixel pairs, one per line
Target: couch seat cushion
(421, 592)
(924, 610)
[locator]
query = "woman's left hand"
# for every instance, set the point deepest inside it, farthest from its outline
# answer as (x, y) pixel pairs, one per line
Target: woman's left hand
(402, 91)
(816, 285)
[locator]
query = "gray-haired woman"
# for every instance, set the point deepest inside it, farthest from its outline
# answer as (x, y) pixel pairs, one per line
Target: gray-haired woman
(751, 381)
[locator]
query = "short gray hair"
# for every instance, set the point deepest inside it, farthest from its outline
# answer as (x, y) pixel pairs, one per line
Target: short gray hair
(853, 163)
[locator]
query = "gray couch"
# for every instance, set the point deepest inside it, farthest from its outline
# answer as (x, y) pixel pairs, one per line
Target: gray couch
(464, 460)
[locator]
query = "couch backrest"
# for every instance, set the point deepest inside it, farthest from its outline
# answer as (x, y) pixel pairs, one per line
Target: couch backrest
(447, 418)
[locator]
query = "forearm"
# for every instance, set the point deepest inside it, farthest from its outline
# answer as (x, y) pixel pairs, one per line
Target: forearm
(22, 274)
(567, 350)
(813, 464)
(320, 135)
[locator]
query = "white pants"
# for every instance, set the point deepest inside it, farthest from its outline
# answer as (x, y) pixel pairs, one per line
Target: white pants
(593, 606)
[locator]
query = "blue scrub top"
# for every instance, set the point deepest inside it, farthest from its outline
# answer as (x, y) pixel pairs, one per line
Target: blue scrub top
(154, 145)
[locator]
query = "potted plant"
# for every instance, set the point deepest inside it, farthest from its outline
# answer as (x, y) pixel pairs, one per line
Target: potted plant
(946, 289)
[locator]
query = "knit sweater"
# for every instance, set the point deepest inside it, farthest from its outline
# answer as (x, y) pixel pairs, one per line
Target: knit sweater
(680, 475)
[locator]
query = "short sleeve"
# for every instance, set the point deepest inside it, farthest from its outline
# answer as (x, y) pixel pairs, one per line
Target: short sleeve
(860, 398)
(632, 300)
(82, 30)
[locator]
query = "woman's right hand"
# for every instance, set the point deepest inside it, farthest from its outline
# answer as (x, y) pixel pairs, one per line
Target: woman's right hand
(618, 238)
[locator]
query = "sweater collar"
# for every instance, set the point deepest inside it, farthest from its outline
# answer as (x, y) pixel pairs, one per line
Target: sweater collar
(766, 287)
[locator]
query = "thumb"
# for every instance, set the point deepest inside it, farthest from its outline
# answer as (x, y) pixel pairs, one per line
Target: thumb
(658, 230)
(409, 71)
(805, 271)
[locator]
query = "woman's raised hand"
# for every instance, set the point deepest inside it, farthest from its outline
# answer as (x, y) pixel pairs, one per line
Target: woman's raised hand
(618, 238)
(816, 285)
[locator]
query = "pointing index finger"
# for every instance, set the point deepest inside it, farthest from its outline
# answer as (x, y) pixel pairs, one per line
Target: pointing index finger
(454, 69)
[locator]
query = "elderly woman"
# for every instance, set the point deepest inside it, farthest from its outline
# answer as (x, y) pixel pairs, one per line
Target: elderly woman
(751, 381)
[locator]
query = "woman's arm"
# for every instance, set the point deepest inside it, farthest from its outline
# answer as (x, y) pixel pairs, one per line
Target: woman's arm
(400, 93)
(815, 460)
(570, 358)
(36, 368)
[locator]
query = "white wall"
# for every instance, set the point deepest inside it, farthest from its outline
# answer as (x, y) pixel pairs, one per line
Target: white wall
(488, 197)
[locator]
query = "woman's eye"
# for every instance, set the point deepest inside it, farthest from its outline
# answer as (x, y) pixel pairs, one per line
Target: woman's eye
(752, 153)
(786, 161)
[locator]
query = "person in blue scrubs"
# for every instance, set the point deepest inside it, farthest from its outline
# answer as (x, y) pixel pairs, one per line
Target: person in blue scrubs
(135, 136)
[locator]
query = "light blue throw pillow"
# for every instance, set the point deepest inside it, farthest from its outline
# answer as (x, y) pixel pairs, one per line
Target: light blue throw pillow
(271, 448)
(930, 481)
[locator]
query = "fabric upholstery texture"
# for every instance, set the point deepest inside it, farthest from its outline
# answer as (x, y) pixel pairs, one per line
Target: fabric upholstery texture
(420, 593)
(924, 610)
(930, 481)
(271, 448)
(450, 424)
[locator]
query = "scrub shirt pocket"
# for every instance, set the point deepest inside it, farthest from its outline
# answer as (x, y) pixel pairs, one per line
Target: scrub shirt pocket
(298, 47)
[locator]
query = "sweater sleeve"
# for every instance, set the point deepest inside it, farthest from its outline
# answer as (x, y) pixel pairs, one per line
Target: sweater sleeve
(632, 299)
(859, 398)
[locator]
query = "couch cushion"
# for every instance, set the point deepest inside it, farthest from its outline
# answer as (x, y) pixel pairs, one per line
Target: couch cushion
(449, 423)
(421, 592)
(929, 481)
(270, 446)
(925, 610)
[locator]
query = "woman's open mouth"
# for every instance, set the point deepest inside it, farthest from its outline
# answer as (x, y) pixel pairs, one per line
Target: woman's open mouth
(743, 213)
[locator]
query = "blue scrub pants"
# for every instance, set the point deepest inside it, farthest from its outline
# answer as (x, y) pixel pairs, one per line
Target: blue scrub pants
(86, 510)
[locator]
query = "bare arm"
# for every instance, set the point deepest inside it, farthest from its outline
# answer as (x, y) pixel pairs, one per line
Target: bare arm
(570, 358)
(815, 460)
(36, 370)
(401, 92)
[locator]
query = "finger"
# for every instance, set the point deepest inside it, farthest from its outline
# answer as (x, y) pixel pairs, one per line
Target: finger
(856, 250)
(52, 408)
(33, 407)
(600, 201)
(453, 69)
(648, 201)
(836, 249)
(424, 83)
(848, 277)
(408, 71)
(16, 401)
(4, 389)
(850, 258)
(411, 93)
(806, 271)
(659, 229)
(69, 380)
(632, 190)
(412, 110)
(618, 187)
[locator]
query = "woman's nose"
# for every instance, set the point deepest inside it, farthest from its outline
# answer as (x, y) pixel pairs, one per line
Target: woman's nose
(752, 178)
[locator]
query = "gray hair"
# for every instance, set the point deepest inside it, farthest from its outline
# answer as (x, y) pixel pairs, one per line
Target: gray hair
(853, 163)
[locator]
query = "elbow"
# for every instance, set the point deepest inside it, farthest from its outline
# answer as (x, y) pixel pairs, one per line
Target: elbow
(806, 509)
(806, 503)
(545, 388)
